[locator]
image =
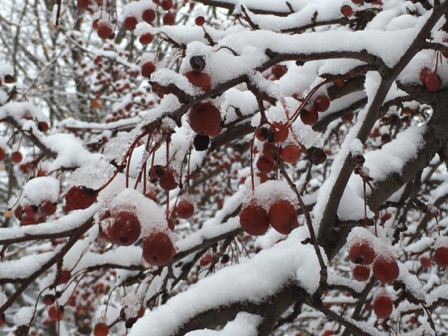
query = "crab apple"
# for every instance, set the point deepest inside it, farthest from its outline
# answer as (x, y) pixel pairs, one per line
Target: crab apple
(362, 253)
(425, 261)
(167, 4)
(130, 23)
(146, 38)
(309, 117)
(263, 134)
(83, 4)
(424, 72)
(199, 79)
(254, 219)
(104, 30)
(199, 21)
(185, 208)
(280, 131)
(270, 151)
(80, 197)
(64, 277)
(361, 273)
(16, 157)
(441, 256)
(101, 329)
(382, 306)
(149, 15)
(147, 69)
(279, 70)
(283, 216)
(48, 299)
(321, 103)
(291, 154)
(56, 312)
(346, 10)
(167, 180)
(169, 19)
(204, 118)
(2, 154)
(48, 207)
(386, 269)
(265, 165)
(158, 249)
(42, 126)
(124, 228)
(433, 82)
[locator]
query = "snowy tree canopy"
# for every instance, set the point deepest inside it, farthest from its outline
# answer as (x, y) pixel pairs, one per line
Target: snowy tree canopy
(205, 167)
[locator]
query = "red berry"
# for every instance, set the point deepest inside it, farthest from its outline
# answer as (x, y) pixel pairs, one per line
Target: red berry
(361, 273)
(270, 151)
(425, 261)
(291, 154)
(441, 256)
(146, 38)
(130, 23)
(362, 253)
(149, 15)
(199, 21)
(43, 126)
(265, 165)
(83, 4)
(16, 157)
(64, 277)
(185, 208)
(386, 269)
(18, 212)
(280, 131)
(158, 249)
(104, 31)
(309, 117)
(346, 10)
(254, 219)
(148, 68)
(199, 79)
(2, 153)
(424, 74)
(382, 306)
(357, 2)
(169, 19)
(321, 103)
(206, 260)
(167, 181)
(123, 228)
(433, 82)
(101, 329)
(283, 216)
(204, 118)
(79, 197)
(279, 70)
(55, 312)
(48, 299)
(167, 4)
(48, 208)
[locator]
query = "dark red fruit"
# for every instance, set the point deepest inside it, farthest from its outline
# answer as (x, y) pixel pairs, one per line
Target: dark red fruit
(316, 155)
(104, 31)
(204, 118)
(265, 165)
(16, 157)
(382, 306)
(167, 181)
(18, 212)
(433, 82)
(199, 21)
(48, 299)
(169, 19)
(43, 126)
(424, 72)
(291, 154)
(441, 256)
(79, 197)
(309, 117)
(55, 312)
(167, 4)
(148, 68)
(83, 4)
(124, 228)
(425, 261)
(321, 103)
(199, 79)
(362, 253)
(101, 329)
(279, 70)
(283, 216)
(149, 15)
(130, 23)
(185, 208)
(48, 208)
(64, 277)
(361, 273)
(146, 38)
(346, 10)
(158, 249)
(254, 219)
(280, 131)
(386, 269)
(2, 153)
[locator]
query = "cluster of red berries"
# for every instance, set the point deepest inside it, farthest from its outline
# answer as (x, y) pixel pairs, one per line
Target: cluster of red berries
(255, 220)
(309, 115)
(31, 214)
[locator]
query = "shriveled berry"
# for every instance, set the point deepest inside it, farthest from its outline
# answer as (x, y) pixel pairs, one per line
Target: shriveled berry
(201, 142)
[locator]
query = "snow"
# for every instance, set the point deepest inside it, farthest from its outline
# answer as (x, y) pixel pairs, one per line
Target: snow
(23, 316)
(244, 324)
